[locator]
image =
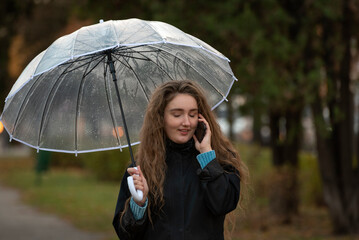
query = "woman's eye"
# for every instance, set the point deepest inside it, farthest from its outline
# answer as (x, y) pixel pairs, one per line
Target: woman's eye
(193, 115)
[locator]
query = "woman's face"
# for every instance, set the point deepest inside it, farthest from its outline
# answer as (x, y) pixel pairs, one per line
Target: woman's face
(181, 118)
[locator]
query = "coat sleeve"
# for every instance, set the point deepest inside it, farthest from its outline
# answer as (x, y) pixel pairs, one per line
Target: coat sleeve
(127, 228)
(221, 187)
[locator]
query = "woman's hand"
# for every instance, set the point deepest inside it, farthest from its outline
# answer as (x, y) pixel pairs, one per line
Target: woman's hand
(140, 183)
(205, 145)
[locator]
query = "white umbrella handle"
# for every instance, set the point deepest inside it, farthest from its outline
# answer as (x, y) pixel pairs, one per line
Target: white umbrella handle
(136, 194)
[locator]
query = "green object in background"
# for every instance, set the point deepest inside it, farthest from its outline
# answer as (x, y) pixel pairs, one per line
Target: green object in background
(42, 161)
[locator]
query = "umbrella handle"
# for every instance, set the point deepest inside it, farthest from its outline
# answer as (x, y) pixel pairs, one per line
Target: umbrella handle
(136, 194)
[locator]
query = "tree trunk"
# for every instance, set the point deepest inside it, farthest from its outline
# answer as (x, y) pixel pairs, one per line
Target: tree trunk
(285, 146)
(340, 176)
(341, 197)
(230, 118)
(257, 125)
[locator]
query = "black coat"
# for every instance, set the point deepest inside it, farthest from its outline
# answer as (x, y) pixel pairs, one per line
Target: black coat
(196, 200)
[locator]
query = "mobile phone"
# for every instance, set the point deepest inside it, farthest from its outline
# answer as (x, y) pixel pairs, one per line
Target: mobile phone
(200, 131)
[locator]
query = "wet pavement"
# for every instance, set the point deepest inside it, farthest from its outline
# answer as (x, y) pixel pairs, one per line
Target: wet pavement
(19, 222)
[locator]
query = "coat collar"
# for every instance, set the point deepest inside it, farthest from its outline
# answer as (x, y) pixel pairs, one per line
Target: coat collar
(179, 147)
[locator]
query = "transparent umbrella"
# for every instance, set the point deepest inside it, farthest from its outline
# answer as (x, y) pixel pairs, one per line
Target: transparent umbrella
(68, 98)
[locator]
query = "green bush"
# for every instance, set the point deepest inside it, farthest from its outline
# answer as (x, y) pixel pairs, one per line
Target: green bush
(64, 160)
(107, 165)
(309, 180)
(262, 172)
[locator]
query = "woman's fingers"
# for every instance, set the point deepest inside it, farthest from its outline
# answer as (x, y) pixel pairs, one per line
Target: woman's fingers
(132, 171)
(202, 119)
(138, 179)
(205, 144)
(140, 183)
(139, 171)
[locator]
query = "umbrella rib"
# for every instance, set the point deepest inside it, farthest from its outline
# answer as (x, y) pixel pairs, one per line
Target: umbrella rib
(73, 43)
(126, 48)
(159, 66)
(141, 51)
(95, 65)
(114, 30)
(145, 57)
(154, 30)
(82, 58)
(148, 59)
(80, 66)
(23, 104)
(48, 103)
(139, 30)
(134, 73)
(101, 60)
(124, 55)
(79, 98)
(90, 46)
(192, 68)
(110, 105)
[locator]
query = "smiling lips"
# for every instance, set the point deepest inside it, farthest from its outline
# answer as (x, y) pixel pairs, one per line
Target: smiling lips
(184, 131)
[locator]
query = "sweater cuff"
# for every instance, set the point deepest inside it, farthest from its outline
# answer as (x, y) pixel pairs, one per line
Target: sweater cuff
(137, 210)
(205, 158)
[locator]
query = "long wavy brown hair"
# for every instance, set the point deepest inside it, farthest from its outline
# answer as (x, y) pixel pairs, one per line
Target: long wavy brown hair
(151, 152)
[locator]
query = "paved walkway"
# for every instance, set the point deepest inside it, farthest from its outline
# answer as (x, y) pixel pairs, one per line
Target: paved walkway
(20, 222)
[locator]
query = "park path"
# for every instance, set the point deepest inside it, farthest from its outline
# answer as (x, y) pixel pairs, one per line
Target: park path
(20, 222)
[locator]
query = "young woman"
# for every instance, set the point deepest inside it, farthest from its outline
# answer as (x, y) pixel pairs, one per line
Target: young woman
(188, 185)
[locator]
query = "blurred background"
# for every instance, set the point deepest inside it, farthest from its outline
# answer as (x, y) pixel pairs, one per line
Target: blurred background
(293, 114)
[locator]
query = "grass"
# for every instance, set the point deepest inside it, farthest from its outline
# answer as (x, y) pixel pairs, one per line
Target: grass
(71, 194)
(258, 223)
(75, 195)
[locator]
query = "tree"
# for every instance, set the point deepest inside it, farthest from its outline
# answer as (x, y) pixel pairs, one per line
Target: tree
(271, 41)
(337, 35)
(319, 40)
(10, 12)
(307, 52)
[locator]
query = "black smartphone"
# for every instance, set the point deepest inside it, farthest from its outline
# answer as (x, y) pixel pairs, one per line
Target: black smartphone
(200, 131)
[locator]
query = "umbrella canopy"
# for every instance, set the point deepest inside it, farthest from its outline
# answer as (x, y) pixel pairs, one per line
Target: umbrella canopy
(65, 99)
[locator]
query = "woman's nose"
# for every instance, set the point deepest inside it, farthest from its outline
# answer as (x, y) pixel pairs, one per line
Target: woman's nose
(186, 121)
